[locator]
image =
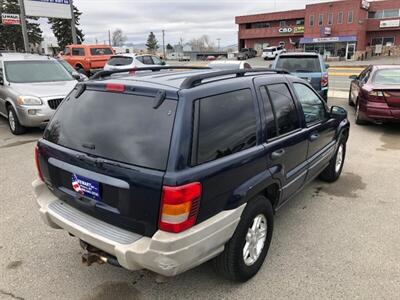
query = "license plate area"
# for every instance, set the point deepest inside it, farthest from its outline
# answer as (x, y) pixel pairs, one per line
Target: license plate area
(85, 186)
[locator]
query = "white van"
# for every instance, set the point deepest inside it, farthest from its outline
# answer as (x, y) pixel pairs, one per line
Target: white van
(272, 52)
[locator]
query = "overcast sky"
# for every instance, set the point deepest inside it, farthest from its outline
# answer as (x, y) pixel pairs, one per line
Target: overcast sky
(179, 18)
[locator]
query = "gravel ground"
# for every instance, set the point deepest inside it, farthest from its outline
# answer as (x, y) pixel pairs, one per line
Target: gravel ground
(336, 240)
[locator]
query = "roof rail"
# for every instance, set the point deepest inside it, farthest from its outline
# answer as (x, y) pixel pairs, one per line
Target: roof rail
(102, 74)
(194, 80)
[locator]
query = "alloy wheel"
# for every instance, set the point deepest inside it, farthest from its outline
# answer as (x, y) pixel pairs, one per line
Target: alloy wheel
(255, 240)
(11, 120)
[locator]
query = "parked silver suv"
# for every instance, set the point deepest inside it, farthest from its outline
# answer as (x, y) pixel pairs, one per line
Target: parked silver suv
(31, 88)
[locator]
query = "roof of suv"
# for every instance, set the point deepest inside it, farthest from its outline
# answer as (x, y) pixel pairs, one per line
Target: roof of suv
(311, 54)
(22, 56)
(188, 78)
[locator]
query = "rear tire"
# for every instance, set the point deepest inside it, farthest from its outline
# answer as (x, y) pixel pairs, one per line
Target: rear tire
(351, 103)
(334, 169)
(358, 118)
(15, 126)
(245, 252)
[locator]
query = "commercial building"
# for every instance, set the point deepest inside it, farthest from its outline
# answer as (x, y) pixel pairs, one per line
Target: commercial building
(343, 29)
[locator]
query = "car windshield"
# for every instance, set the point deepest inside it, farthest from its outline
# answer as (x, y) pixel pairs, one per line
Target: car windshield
(35, 71)
(389, 76)
(143, 132)
(120, 61)
(67, 66)
(299, 64)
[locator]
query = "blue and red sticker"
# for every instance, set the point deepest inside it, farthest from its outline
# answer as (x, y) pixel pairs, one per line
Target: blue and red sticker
(86, 187)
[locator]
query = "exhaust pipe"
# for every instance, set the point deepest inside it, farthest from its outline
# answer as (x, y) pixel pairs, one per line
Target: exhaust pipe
(94, 255)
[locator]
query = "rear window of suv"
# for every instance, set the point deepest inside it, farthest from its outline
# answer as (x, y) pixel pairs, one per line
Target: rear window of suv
(120, 61)
(299, 64)
(115, 126)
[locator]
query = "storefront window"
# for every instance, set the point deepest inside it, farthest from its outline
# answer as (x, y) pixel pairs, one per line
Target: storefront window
(387, 41)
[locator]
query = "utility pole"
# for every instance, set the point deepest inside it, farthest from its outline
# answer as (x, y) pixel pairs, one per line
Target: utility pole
(163, 43)
(109, 37)
(73, 28)
(23, 26)
(219, 44)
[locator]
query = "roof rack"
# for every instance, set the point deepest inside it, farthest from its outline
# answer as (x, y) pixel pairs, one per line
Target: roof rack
(102, 74)
(194, 80)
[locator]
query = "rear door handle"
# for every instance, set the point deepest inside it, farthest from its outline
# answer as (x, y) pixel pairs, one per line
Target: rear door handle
(277, 154)
(314, 137)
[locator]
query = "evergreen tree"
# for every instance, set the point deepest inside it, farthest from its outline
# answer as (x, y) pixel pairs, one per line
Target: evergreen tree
(11, 35)
(152, 43)
(62, 29)
(170, 48)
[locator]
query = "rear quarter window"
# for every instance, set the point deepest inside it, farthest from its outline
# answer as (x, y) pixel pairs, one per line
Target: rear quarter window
(226, 124)
(115, 126)
(101, 51)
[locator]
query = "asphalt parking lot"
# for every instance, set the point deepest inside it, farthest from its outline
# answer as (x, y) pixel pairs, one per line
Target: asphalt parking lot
(336, 240)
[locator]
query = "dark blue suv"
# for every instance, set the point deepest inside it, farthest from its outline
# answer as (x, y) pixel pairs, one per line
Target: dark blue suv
(166, 170)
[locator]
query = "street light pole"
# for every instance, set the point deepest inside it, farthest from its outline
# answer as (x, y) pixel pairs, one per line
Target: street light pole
(73, 28)
(219, 44)
(163, 43)
(23, 25)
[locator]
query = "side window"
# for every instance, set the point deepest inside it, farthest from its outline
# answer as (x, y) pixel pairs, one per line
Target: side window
(67, 51)
(156, 60)
(78, 52)
(313, 107)
(366, 76)
(140, 58)
(271, 129)
(226, 124)
(147, 60)
(284, 108)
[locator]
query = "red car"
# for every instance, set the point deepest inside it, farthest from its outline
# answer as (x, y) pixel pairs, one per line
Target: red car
(375, 93)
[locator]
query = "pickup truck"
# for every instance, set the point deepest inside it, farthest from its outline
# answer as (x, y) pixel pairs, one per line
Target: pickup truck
(87, 59)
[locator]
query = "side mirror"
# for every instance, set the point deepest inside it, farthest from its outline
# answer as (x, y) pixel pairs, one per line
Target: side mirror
(327, 66)
(338, 112)
(76, 75)
(353, 77)
(270, 66)
(163, 63)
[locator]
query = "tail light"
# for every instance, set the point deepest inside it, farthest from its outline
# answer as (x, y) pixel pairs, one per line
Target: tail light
(37, 163)
(179, 207)
(377, 96)
(324, 80)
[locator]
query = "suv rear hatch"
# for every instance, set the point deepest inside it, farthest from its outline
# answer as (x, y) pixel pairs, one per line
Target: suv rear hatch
(105, 153)
(307, 67)
(99, 57)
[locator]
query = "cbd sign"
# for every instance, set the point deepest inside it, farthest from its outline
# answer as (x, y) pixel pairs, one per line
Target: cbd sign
(285, 30)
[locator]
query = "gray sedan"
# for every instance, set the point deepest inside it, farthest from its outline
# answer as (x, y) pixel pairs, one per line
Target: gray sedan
(31, 88)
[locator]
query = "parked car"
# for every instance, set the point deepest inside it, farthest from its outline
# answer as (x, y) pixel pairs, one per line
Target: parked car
(178, 56)
(272, 52)
(130, 61)
(78, 76)
(229, 65)
(180, 167)
(308, 66)
(31, 88)
(375, 93)
(211, 58)
(87, 59)
(246, 53)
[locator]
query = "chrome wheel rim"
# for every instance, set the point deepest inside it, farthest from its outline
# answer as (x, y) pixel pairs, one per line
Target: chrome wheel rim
(339, 159)
(11, 120)
(255, 240)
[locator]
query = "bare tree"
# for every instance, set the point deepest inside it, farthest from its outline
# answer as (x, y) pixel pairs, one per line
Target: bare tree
(118, 37)
(202, 43)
